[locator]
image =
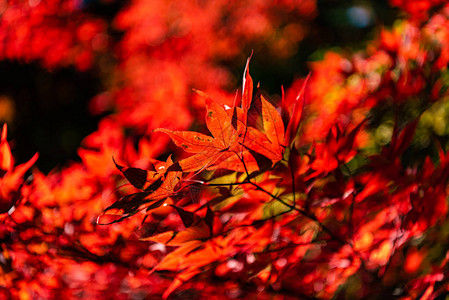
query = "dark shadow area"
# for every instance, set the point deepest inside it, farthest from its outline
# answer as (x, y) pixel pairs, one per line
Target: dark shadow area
(50, 114)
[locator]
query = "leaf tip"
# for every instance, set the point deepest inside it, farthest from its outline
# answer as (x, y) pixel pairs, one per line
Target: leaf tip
(119, 167)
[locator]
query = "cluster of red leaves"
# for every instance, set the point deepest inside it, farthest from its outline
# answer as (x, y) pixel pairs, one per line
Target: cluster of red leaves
(271, 202)
(406, 64)
(255, 209)
(167, 50)
(51, 246)
(145, 62)
(55, 32)
(417, 9)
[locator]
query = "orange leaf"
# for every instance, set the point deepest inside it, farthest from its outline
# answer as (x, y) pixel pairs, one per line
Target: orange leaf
(172, 238)
(6, 159)
(178, 281)
(247, 90)
(273, 125)
(259, 142)
(222, 150)
(295, 118)
(220, 124)
(190, 141)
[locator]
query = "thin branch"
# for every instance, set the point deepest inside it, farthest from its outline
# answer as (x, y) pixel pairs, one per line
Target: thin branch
(291, 245)
(301, 211)
(292, 174)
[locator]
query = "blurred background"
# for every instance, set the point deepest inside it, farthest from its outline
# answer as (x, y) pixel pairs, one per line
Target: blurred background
(64, 65)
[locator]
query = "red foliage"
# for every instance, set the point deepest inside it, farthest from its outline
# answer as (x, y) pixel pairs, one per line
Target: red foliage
(418, 9)
(55, 32)
(322, 197)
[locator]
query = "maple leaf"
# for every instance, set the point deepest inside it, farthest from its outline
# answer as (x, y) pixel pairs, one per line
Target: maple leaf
(270, 143)
(233, 142)
(198, 250)
(224, 148)
(400, 140)
(296, 112)
(194, 251)
(338, 148)
(156, 187)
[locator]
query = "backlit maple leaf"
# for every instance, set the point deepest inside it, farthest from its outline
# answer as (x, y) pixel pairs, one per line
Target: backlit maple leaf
(224, 148)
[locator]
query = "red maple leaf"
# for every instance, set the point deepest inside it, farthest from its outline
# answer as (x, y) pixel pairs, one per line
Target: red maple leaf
(233, 142)
(156, 187)
(224, 149)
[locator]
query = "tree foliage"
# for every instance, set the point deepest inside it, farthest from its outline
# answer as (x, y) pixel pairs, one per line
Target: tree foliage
(335, 189)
